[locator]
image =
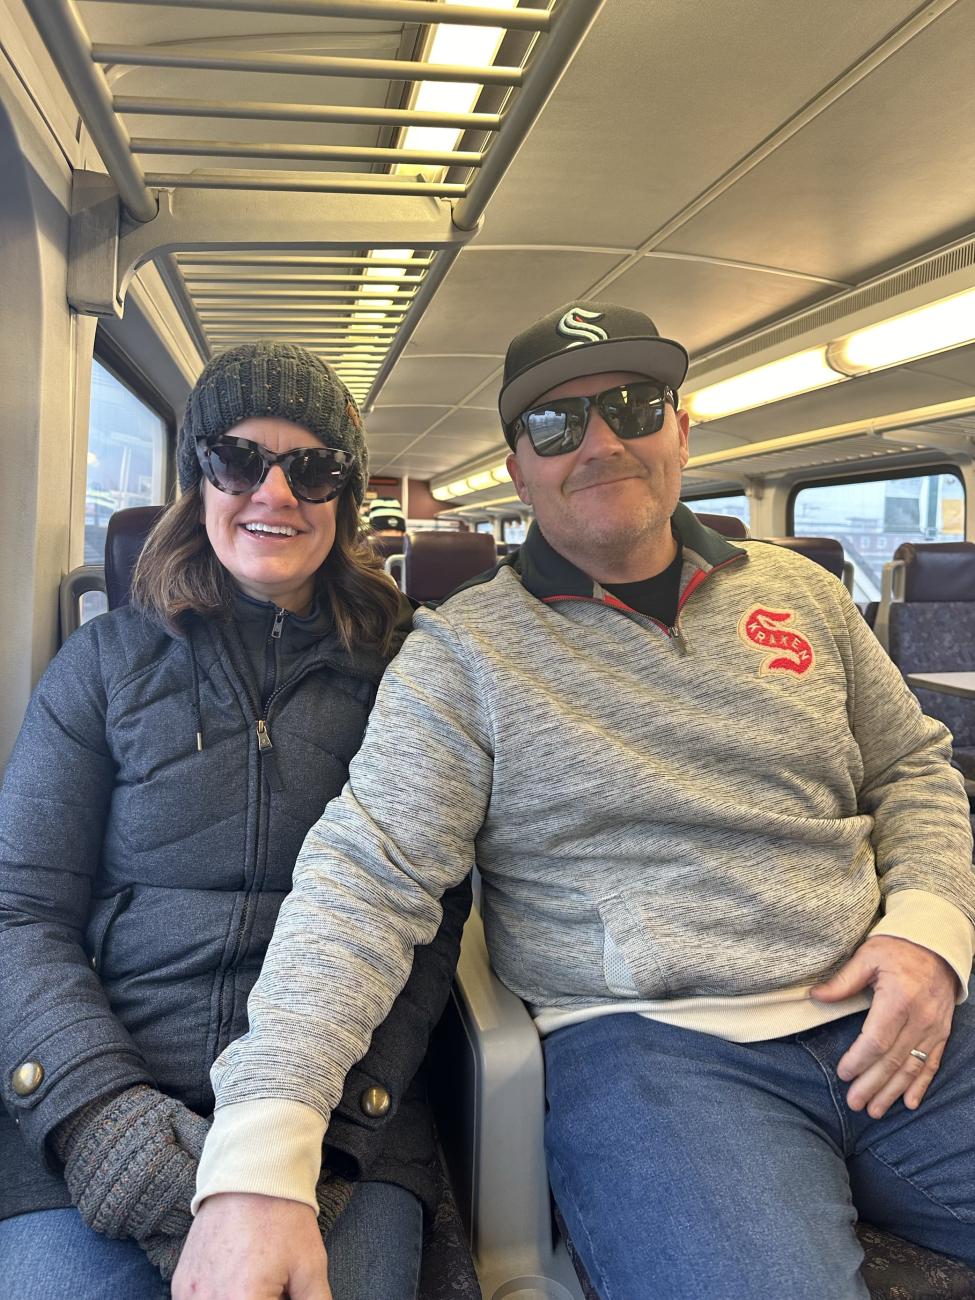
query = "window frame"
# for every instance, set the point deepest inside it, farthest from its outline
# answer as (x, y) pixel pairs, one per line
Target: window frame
(872, 476)
(718, 496)
(122, 368)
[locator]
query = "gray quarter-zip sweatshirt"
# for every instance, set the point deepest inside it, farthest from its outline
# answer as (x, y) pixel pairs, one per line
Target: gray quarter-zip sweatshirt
(709, 817)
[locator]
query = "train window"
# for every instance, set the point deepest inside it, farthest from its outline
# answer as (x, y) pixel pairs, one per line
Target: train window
(126, 456)
(513, 531)
(872, 516)
(729, 503)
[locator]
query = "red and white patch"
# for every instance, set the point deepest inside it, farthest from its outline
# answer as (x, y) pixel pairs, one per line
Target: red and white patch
(783, 645)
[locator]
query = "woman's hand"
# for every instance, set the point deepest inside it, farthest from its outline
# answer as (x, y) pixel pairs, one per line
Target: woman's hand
(247, 1247)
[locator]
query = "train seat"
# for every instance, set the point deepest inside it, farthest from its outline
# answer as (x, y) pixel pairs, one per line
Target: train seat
(434, 562)
(726, 525)
(124, 540)
(926, 622)
(491, 1108)
(825, 551)
(387, 544)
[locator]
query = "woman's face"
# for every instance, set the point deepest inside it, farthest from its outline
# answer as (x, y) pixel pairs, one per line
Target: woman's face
(278, 565)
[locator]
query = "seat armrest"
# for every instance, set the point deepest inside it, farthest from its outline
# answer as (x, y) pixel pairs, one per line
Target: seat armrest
(491, 1118)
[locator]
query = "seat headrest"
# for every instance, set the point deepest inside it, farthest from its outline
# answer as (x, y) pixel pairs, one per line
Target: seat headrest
(941, 571)
(826, 551)
(124, 540)
(387, 545)
(437, 562)
(726, 525)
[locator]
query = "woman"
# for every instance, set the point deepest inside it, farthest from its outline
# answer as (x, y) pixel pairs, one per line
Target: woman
(171, 761)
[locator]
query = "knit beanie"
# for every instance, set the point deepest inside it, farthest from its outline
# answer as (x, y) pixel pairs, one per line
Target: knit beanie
(281, 380)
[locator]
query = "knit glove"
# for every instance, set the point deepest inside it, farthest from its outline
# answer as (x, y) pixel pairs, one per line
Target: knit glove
(130, 1164)
(333, 1194)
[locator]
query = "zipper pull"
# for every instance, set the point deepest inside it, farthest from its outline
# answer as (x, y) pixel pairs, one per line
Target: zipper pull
(278, 623)
(677, 636)
(268, 760)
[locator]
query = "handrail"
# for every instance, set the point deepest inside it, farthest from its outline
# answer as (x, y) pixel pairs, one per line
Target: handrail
(404, 11)
(70, 48)
(317, 65)
(394, 207)
(543, 74)
(260, 111)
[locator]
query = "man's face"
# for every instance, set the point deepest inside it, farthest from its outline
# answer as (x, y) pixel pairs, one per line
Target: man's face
(608, 499)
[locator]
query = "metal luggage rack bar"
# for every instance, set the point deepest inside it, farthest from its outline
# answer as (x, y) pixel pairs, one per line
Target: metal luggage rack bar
(415, 207)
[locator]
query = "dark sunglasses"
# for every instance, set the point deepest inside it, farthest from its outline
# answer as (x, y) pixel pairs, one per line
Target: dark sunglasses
(239, 466)
(559, 425)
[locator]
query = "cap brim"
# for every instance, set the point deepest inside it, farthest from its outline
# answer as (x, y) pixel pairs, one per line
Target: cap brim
(663, 359)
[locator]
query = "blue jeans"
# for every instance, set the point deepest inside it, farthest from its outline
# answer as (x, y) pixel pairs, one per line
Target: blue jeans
(686, 1166)
(373, 1250)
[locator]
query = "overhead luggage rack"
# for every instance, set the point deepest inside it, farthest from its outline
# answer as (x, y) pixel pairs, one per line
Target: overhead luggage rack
(351, 213)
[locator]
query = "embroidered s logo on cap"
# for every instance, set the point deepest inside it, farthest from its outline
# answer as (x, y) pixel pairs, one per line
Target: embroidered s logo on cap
(771, 632)
(577, 323)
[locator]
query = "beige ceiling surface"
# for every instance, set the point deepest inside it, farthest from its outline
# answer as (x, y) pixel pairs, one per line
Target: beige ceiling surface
(721, 166)
(791, 151)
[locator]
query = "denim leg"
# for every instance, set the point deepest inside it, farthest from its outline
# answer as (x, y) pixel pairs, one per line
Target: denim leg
(686, 1166)
(53, 1254)
(375, 1246)
(913, 1172)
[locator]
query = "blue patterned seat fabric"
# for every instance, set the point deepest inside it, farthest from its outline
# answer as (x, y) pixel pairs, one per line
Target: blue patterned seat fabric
(933, 630)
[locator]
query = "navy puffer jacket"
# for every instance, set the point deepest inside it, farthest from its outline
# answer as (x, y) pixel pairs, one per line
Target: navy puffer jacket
(140, 878)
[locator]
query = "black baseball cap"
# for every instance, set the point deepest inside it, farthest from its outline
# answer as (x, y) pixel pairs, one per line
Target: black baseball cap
(585, 338)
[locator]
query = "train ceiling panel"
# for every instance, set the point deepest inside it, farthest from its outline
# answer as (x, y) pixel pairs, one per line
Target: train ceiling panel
(725, 167)
(887, 167)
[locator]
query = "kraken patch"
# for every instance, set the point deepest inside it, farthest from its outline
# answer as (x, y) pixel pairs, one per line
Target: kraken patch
(771, 632)
(577, 323)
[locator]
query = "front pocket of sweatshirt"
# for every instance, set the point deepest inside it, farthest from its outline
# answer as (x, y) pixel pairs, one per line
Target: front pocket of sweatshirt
(630, 966)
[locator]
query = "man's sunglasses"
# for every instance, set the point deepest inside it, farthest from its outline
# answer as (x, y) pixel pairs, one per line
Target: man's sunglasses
(239, 466)
(559, 425)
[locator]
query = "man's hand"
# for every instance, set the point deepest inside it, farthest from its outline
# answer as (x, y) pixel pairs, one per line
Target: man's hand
(913, 1001)
(246, 1247)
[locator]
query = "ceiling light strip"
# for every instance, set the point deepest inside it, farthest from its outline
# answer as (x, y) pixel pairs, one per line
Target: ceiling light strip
(547, 65)
(902, 420)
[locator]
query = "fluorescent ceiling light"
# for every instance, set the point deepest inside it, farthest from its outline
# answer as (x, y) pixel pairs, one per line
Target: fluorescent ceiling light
(440, 494)
(500, 474)
(457, 489)
(936, 328)
(477, 482)
(801, 373)
(470, 46)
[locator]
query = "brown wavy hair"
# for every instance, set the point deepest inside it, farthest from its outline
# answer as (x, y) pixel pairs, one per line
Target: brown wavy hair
(178, 573)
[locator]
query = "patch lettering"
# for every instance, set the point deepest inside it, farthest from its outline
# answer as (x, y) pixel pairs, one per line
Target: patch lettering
(577, 323)
(784, 647)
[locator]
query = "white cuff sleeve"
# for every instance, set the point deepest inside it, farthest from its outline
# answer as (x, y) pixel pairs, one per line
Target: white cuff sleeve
(271, 1147)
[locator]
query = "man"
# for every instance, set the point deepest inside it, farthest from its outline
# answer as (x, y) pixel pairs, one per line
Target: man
(725, 861)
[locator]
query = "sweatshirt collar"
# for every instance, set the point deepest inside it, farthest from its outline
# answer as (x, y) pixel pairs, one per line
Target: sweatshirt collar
(545, 573)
